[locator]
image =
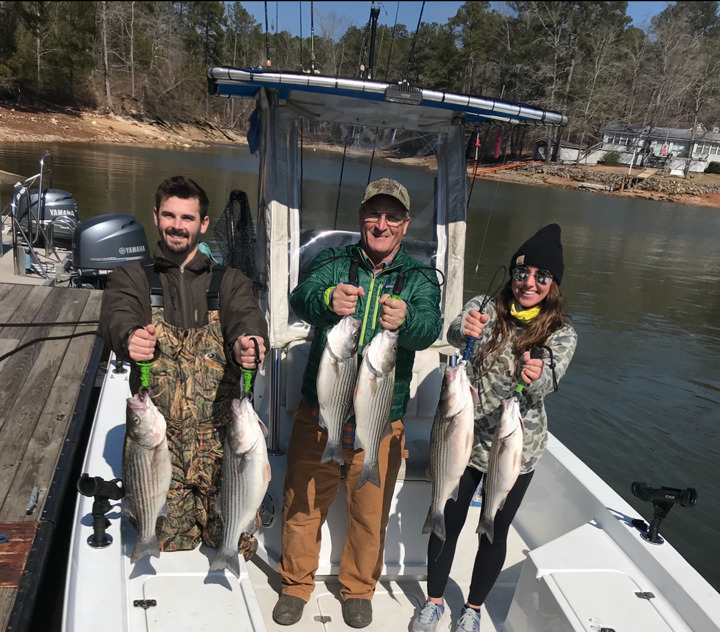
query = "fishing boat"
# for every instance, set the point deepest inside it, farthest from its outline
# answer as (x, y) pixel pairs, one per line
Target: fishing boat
(580, 558)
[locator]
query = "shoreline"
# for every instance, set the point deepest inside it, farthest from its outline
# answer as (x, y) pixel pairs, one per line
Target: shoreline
(19, 124)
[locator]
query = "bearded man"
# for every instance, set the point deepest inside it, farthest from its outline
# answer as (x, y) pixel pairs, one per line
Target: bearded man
(198, 324)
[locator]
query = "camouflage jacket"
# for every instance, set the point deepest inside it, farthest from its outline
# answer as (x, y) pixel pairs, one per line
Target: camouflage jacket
(503, 376)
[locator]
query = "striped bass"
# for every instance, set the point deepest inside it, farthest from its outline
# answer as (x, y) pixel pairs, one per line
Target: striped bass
(504, 465)
(336, 384)
(451, 443)
(374, 394)
(245, 478)
(146, 470)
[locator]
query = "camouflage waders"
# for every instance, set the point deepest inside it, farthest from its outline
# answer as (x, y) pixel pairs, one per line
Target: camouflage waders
(190, 385)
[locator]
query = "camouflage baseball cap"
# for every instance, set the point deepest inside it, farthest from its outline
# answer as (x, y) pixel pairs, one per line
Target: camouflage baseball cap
(386, 186)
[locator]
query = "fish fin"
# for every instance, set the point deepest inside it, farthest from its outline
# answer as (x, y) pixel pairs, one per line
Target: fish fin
(226, 559)
(454, 493)
(263, 427)
(486, 526)
(358, 442)
(128, 507)
(369, 473)
(333, 452)
(435, 523)
(163, 509)
(475, 396)
(146, 547)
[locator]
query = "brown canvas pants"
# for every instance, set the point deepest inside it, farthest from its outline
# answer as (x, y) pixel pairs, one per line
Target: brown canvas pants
(311, 487)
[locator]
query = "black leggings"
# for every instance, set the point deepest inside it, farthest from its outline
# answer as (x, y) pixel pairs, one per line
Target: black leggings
(490, 557)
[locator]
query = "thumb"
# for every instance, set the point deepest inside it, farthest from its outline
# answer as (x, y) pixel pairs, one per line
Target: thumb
(361, 290)
(150, 329)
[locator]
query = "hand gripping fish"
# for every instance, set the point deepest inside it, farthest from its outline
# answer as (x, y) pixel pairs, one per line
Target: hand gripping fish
(451, 443)
(336, 383)
(504, 464)
(146, 470)
(245, 479)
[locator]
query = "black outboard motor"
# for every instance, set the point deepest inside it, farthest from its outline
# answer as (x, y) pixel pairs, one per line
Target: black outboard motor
(104, 243)
(58, 215)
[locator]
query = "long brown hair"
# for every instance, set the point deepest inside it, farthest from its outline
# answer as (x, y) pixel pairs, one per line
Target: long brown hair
(552, 317)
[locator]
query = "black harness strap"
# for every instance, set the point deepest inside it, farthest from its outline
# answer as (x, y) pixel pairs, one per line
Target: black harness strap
(156, 291)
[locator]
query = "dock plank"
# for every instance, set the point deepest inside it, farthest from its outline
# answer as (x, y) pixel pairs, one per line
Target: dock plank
(53, 422)
(29, 395)
(14, 370)
(14, 551)
(39, 390)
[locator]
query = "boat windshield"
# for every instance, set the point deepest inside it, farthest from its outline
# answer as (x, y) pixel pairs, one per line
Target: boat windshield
(339, 161)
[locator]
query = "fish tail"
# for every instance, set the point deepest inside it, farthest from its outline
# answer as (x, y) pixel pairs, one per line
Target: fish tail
(226, 559)
(486, 526)
(370, 472)
(333, 452)
(435, 523)
(146, 547)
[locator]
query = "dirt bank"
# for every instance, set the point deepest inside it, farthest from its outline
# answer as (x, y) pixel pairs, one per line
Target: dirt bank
(25, 125)
(700, 189)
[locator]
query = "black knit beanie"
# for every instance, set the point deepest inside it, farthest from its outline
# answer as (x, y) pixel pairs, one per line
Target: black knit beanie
(544, 251)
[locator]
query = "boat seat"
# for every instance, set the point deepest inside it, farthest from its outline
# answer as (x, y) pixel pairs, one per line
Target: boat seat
(584, 581)
(424, 396)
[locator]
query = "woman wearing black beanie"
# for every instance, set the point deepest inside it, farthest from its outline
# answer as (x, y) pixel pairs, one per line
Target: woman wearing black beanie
(528, 314)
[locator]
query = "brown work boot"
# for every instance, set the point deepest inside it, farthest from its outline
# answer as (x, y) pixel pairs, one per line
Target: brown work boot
(357, 613)
(288, 610)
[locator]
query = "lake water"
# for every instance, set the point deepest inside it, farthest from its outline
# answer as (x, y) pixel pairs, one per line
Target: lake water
(641, 399)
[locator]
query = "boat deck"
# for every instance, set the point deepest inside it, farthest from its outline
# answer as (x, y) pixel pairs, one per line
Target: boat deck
(45, 390)
(397, 601)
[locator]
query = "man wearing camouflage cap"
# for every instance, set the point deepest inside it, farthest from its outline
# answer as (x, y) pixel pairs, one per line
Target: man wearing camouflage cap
(322, 300)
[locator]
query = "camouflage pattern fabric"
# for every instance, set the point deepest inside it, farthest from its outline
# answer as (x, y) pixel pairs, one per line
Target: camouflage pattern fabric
(501, 376)
(191, 386)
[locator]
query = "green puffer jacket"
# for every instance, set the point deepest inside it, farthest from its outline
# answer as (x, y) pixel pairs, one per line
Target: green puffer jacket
(419, 330)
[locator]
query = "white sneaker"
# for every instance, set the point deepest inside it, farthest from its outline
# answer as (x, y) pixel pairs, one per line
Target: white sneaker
(469, 621)
(429, 617)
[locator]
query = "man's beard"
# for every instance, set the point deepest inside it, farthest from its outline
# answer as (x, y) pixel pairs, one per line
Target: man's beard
(178, 249)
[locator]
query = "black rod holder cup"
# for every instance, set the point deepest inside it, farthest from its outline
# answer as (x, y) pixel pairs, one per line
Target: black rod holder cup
(103, 492)
(662, 499)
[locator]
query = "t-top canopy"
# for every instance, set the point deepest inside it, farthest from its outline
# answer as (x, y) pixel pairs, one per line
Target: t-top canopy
(355, 100)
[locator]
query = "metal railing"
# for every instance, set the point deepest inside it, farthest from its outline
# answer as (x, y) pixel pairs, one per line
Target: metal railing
(25, 238)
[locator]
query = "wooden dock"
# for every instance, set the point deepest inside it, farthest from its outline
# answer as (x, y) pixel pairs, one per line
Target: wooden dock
(45, 404)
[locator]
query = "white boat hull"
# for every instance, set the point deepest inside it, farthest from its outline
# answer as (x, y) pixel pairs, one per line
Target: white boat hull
(574, 562)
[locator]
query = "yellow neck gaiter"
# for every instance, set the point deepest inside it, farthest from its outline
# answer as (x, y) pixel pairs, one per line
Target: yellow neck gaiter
(524, 315)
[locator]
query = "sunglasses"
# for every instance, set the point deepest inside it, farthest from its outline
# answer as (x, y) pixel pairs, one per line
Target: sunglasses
(523, 273)
(373, 217)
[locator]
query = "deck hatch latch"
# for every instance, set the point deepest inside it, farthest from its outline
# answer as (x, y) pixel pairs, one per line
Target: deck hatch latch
(145, 603)
(645, 595)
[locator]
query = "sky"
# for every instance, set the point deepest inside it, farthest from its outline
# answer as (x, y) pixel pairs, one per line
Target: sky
(357, 14)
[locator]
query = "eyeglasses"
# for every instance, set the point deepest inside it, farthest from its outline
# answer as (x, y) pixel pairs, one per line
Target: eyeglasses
(523, 273)
(373, 217)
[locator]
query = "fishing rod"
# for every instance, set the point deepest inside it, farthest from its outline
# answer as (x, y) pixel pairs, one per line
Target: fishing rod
(490, 294)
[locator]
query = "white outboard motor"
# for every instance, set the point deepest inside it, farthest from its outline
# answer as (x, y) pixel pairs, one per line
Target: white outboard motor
(104, 243)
